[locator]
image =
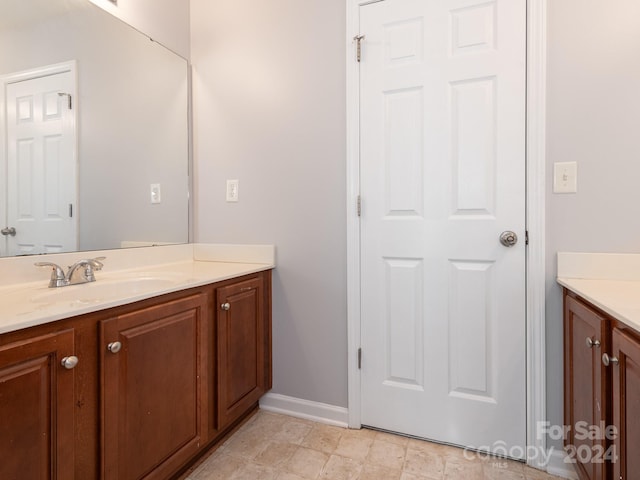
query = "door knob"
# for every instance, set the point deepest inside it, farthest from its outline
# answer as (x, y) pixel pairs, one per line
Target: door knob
(70, 362)
(8, 231)
(592, 343)
(114, 347)
(225, 306)
(508, 238)
(607, 360)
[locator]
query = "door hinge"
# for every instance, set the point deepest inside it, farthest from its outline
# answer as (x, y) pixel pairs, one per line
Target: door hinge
(71, 210)
(526, 237)
(359, 358)
(69, 101)
(359, 206)
(358, 39)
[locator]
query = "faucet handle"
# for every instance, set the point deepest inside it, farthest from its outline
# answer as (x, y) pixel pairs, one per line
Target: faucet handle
(96, 263)
(58, 278)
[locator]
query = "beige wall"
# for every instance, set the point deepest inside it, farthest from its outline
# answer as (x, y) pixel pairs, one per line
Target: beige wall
(166, 21)
(269, 110)
(593, 119)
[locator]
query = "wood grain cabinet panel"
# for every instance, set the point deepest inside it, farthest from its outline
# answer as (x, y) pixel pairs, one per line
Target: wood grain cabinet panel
(37, 408)
(586, 394)
(153, 391)
(602, 390)
(626, 404)
(242, 346)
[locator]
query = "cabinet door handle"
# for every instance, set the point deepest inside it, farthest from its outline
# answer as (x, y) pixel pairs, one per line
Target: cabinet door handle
(225, 306)
(592, 342)
(70, 362)
(114, 347)
(607, 360)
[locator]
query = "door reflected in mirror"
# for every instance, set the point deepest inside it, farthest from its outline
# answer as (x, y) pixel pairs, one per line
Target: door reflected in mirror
(94, 132)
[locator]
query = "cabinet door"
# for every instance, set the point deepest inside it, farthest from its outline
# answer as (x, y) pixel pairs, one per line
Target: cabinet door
(626, 405)
(241, 342)
(36, 408)
(153, 385)
(585, 333)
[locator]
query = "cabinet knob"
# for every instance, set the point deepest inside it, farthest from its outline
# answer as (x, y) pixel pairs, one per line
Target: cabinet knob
(225, 306)
(592, 342)
(114, 347)
(607, 360)
(70, 362)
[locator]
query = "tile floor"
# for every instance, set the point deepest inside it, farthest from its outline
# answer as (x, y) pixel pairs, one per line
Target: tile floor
(278, 447)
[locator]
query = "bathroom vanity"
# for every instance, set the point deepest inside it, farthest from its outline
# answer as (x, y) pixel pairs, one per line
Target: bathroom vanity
(602, 363)
(134, 382)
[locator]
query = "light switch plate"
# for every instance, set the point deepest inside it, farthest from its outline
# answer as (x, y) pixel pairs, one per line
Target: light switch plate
(565, 177)
(156, 193)
(232, 190)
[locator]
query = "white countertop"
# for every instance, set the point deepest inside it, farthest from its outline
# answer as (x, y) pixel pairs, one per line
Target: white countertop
(610, 282)
(31, 303)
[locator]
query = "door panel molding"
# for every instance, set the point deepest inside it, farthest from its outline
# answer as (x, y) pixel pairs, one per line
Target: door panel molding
(535, 221)
(70, 127)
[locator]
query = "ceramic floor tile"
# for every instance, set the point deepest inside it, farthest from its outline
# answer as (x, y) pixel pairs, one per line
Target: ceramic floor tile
(341, 468)
(495, 471)
(424, 463)
(391, 438)
(306, 463)
(254, 472)
(387, 454)
(324, 438)
(293, 431)
(244, 445)
(354, 446)
(378, 472)
(277, 447)
(217, 467)
(289, 476)
(455, 469)
(275, 454)
(534, 474)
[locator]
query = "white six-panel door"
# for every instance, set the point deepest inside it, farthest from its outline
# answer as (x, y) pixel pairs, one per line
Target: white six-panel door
(41, 165)
(442, 122)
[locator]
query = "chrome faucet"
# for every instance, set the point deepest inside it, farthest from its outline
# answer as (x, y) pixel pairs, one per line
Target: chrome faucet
(79, 272)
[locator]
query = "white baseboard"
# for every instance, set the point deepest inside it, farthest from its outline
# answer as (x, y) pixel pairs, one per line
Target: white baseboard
(297, 407)
(557, 465)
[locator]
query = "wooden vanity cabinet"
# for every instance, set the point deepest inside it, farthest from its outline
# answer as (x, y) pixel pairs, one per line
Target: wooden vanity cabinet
(242, 330)
(602, 389)
(586, 388)
(153, 371)
(37, 407)
(158, 383)
(625, 368)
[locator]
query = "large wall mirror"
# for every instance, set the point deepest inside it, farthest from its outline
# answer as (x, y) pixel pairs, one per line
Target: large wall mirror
(94, 134)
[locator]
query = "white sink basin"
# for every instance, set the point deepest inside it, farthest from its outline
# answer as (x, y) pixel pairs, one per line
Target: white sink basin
(105, 290)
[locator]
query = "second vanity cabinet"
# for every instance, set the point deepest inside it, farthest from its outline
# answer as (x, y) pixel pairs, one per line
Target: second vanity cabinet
(625, 367)
(602, 390)
(156, 384)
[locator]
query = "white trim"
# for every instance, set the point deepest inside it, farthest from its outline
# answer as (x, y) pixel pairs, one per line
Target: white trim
(536, 191)
(557, 465)
(300, 408)
(536, 124)
(353, 222)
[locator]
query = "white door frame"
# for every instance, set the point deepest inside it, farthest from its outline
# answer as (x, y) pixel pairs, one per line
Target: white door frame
(535, 221)
(5, 80)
